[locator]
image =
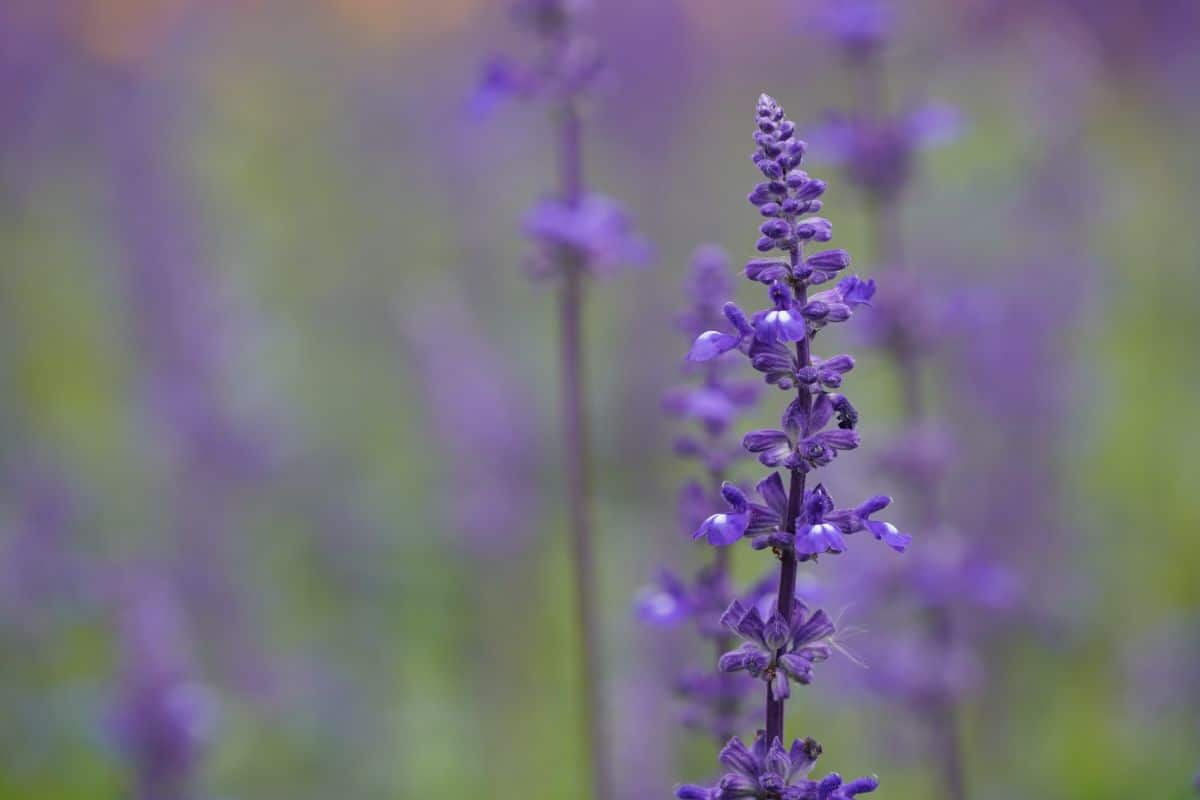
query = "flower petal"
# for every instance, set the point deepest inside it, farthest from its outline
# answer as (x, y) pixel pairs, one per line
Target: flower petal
(711, 344)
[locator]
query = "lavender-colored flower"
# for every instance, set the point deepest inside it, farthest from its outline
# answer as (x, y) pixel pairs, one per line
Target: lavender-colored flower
(796, 523)
(564, 63)
(597, 231)
(804, 444)
(877, 153)
(778, 649)
(164, 718)
(859, 27)
(727, 527)
(766, 772)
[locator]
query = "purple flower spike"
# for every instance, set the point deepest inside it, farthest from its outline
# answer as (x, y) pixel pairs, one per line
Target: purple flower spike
(782, 641)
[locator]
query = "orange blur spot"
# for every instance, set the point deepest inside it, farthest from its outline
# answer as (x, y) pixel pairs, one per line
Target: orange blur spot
(385, 21)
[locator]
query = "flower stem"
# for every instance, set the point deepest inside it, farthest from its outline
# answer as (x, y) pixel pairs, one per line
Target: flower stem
(788, 562)
(577, 463)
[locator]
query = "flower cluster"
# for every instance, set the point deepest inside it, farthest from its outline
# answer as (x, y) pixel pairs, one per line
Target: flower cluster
(775, 773)
(778, 649)
(795, 522)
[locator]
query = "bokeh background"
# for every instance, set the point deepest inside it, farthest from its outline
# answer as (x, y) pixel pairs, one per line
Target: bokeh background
(279, 464)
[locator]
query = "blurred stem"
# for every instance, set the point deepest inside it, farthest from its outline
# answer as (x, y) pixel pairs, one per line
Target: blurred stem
(576, 443)
(942, 714)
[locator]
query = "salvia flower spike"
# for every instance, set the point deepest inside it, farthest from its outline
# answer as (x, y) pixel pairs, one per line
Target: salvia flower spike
(796, 522)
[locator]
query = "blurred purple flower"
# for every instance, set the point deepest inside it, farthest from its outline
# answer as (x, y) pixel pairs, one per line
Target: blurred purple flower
(486, 436)
(41, 563)
(563, 63)
(187, 338)
(597, 229)
(877, 153)
(164, 717)
(859, 27)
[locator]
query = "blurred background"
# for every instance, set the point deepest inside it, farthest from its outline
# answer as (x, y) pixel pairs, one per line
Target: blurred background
(280, 482)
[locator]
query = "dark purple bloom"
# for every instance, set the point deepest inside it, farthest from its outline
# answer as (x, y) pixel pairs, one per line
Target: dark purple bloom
(783, 323)
(726, 528)
(803, 444)
(775, 773)
(164, 716)
(777, 650)
(859, 518)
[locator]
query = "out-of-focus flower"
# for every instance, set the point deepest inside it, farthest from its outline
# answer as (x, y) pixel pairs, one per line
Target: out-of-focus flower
(41, 565)
(485, 431)
(597, 230)
(877, 153)
(164, 717)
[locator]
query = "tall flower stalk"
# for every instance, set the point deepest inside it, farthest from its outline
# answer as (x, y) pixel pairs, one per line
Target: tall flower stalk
(798, 523)
(576, 234)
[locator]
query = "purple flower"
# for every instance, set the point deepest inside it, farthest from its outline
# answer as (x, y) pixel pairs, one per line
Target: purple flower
(818, 535)
(164, 718)
(783, 642)
(783, 323)
(859, 518)
(859, 27)
(877, 154)
(711, 344)
(803, 444)
(777, 650)
(775, 772)
(726, 528)
(596, 230)
(563, 64)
